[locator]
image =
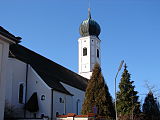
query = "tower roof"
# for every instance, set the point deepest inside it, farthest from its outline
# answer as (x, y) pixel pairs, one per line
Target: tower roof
(89, 27)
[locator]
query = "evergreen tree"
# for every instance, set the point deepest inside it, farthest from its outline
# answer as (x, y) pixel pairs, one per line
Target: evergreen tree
(127, 99)
(150, 106)
(97, 96)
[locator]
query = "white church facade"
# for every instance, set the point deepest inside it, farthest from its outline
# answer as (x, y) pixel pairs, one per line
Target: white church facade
(39, 87)
(34, 86)
(5, 41)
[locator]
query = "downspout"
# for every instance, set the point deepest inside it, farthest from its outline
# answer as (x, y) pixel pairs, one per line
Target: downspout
(77, 107)
(51, 104)
(65, 105)
(26, 89)
(77, 102)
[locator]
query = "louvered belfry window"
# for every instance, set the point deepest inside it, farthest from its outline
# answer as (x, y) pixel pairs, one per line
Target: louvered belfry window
(84, 51)
(97, 53)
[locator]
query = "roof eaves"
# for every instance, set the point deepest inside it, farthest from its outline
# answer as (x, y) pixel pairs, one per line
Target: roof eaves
(57, 86)
(7, 34)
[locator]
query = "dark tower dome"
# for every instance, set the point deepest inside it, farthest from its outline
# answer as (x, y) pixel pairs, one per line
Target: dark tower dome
(89, 27)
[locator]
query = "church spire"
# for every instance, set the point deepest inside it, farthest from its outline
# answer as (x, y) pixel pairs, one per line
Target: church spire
(89, 13)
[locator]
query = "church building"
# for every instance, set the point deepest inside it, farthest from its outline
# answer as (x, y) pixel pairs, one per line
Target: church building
(33, 86)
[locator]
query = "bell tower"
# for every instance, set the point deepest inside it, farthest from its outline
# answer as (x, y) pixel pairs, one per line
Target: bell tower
(89, 46)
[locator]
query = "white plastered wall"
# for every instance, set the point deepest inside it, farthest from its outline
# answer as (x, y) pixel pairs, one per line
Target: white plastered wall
(3, 69)
(69, 104)
(4, 50)
(61, 107)
(36, 84)
(86, 63)
(78, 96)
(16, 75)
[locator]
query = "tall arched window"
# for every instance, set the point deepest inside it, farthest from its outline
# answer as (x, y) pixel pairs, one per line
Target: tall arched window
(97, 53)
(84, 51)
(21, 93)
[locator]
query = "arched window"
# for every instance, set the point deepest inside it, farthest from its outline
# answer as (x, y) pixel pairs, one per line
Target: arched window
(84, 51)
(21, 93)
(60, 100)
(97, 53)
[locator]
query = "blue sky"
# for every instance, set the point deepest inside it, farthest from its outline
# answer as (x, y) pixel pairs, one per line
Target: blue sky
(130, 31)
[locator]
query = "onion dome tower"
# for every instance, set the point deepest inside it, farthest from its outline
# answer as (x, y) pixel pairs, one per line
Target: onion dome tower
(89, 46)
(89, 27)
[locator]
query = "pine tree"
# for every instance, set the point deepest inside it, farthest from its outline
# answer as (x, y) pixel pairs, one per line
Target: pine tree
(97, 96)
(127, 99)
(150, 105)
